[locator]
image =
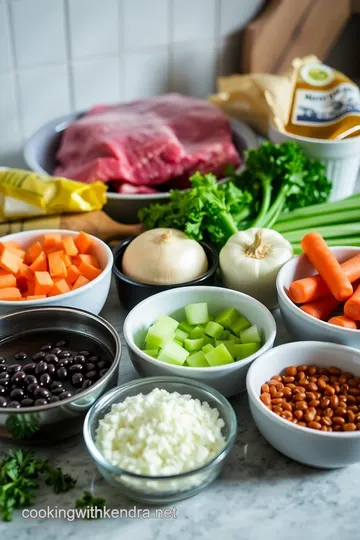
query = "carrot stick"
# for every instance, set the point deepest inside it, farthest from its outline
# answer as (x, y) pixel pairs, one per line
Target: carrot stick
(327, 265)
(343, 321)
(322, 308)
(314, 287)
(352, 306)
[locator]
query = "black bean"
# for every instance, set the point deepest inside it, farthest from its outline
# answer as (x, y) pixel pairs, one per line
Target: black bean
(29, 368)
(56, 351)
(54, 399)
(62, 373)
(19, 378)
(2, 360)
(77, 379)
(56, 384)
(39, 356)
(3, 390)
(32, 387)
(45, 380)
(64, 362)
(79, 359)
(51, 358)
(41, 402)
(6, 383)
(91, 375)
(103, 372)
(76, 368)
(30, 379)
(20, 356)
(103, 364)
(90, 366)
(27, 402)
(17, 394)
(85, 353)
(3, 401)
(41, 367)
(4, 376)
(14, 368)
(64, 354)
(42, 393)
(61, 343)
(65, 395)
(57, 391)
(46, 347)
(3, 368)
(87, 384)
(94, 359)
(51, 369)
(13, 405)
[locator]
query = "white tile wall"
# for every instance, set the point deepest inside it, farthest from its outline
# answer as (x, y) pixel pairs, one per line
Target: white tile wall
(62, 55)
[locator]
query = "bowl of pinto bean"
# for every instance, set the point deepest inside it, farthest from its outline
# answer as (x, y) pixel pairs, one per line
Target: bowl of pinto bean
(305, 400)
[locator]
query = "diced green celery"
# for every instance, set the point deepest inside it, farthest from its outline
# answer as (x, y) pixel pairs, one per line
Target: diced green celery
(229, 344)
(151, 352)
(250, 335)
(157, 336)
(173, 353)
(207, 339)
(180, 335)
(235, 339)
(207, 348)
(167, 322)
(197, 313)
(186, 327)
(193, 344)
(197, 360)
(211, 318)
(179, 342)
(245, 349)
(226, 317)
(225, 334)
(239, 325)
(219, 356)
(213, 329)
(197, 332)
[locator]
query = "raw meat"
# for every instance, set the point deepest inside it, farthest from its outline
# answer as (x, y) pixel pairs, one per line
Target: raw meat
(147, 143)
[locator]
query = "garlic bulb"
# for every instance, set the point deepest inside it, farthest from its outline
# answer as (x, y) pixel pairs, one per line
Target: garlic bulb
(250, 262)
(164, 257)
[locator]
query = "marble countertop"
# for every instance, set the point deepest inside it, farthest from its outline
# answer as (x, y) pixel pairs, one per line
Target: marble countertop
(260, 495)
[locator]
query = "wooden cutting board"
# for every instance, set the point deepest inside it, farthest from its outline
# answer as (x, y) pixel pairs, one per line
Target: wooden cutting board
(287, 29)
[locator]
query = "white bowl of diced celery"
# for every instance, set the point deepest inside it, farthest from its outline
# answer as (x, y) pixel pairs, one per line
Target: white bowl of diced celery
(210, 334)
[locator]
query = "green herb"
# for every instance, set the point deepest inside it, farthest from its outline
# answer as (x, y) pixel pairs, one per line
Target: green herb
(19, 471)
(89, 501)
(60, 482)
(23, 426)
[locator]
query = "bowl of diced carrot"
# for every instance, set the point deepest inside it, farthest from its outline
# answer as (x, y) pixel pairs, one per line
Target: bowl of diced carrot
(54, 268)
(319, 293)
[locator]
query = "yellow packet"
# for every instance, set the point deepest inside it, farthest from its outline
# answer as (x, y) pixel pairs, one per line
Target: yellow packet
(325, 104)
(24, 194)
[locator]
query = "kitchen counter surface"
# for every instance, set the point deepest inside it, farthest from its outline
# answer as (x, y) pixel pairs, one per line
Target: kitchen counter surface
(261, 493)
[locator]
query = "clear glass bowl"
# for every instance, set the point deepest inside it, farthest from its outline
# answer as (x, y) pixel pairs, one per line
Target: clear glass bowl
(161, 489)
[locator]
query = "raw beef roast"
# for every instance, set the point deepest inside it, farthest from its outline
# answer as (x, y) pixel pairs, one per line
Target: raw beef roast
(146, 143)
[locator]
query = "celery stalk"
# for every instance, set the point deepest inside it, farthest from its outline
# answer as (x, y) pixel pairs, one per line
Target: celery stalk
(347, 216)
(319, 209)
(332, 231)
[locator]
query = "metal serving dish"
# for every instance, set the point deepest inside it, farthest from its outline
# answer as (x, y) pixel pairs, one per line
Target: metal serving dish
(62, 419)
(40, 151)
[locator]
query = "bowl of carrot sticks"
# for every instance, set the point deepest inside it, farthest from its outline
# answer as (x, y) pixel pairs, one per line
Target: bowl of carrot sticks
(54, 268)
(319, 293)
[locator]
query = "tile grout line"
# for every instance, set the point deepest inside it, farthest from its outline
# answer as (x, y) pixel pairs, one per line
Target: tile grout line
(170, 47)
(68, 60)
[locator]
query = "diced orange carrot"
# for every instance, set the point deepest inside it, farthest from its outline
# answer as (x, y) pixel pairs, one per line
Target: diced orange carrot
(10, 293)
(51, 240)
(88, 271)
(15, 248)
(57, 266)
(7, 280)
(67, 260)
(43, 283)
(35, 296)
(40, 263)
(25, 272)
(14, 244)
(60, 287)
(70, 246)
(80, 282)
(31, 288)
(83, 242)
(10, 261)
(53, 249)
(72, 274)
(89, 259)
(33, 252)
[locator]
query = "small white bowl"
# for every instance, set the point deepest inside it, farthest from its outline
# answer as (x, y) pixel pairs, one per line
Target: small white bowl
(299, 324)
(90, 297)
(328, 450)
(229, 379)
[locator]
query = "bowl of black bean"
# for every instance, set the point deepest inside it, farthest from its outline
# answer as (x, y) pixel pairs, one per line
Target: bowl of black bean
(54, 364)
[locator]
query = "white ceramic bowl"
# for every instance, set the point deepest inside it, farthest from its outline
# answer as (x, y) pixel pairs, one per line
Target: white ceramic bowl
(299, 324)
(90, 297)
(340, 157)
(228, 379)
(328, 450)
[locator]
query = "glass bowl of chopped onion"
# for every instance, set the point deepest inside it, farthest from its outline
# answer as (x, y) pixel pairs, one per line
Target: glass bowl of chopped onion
(160, 439)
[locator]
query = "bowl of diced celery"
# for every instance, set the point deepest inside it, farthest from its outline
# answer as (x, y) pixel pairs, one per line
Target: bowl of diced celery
(210, 334)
